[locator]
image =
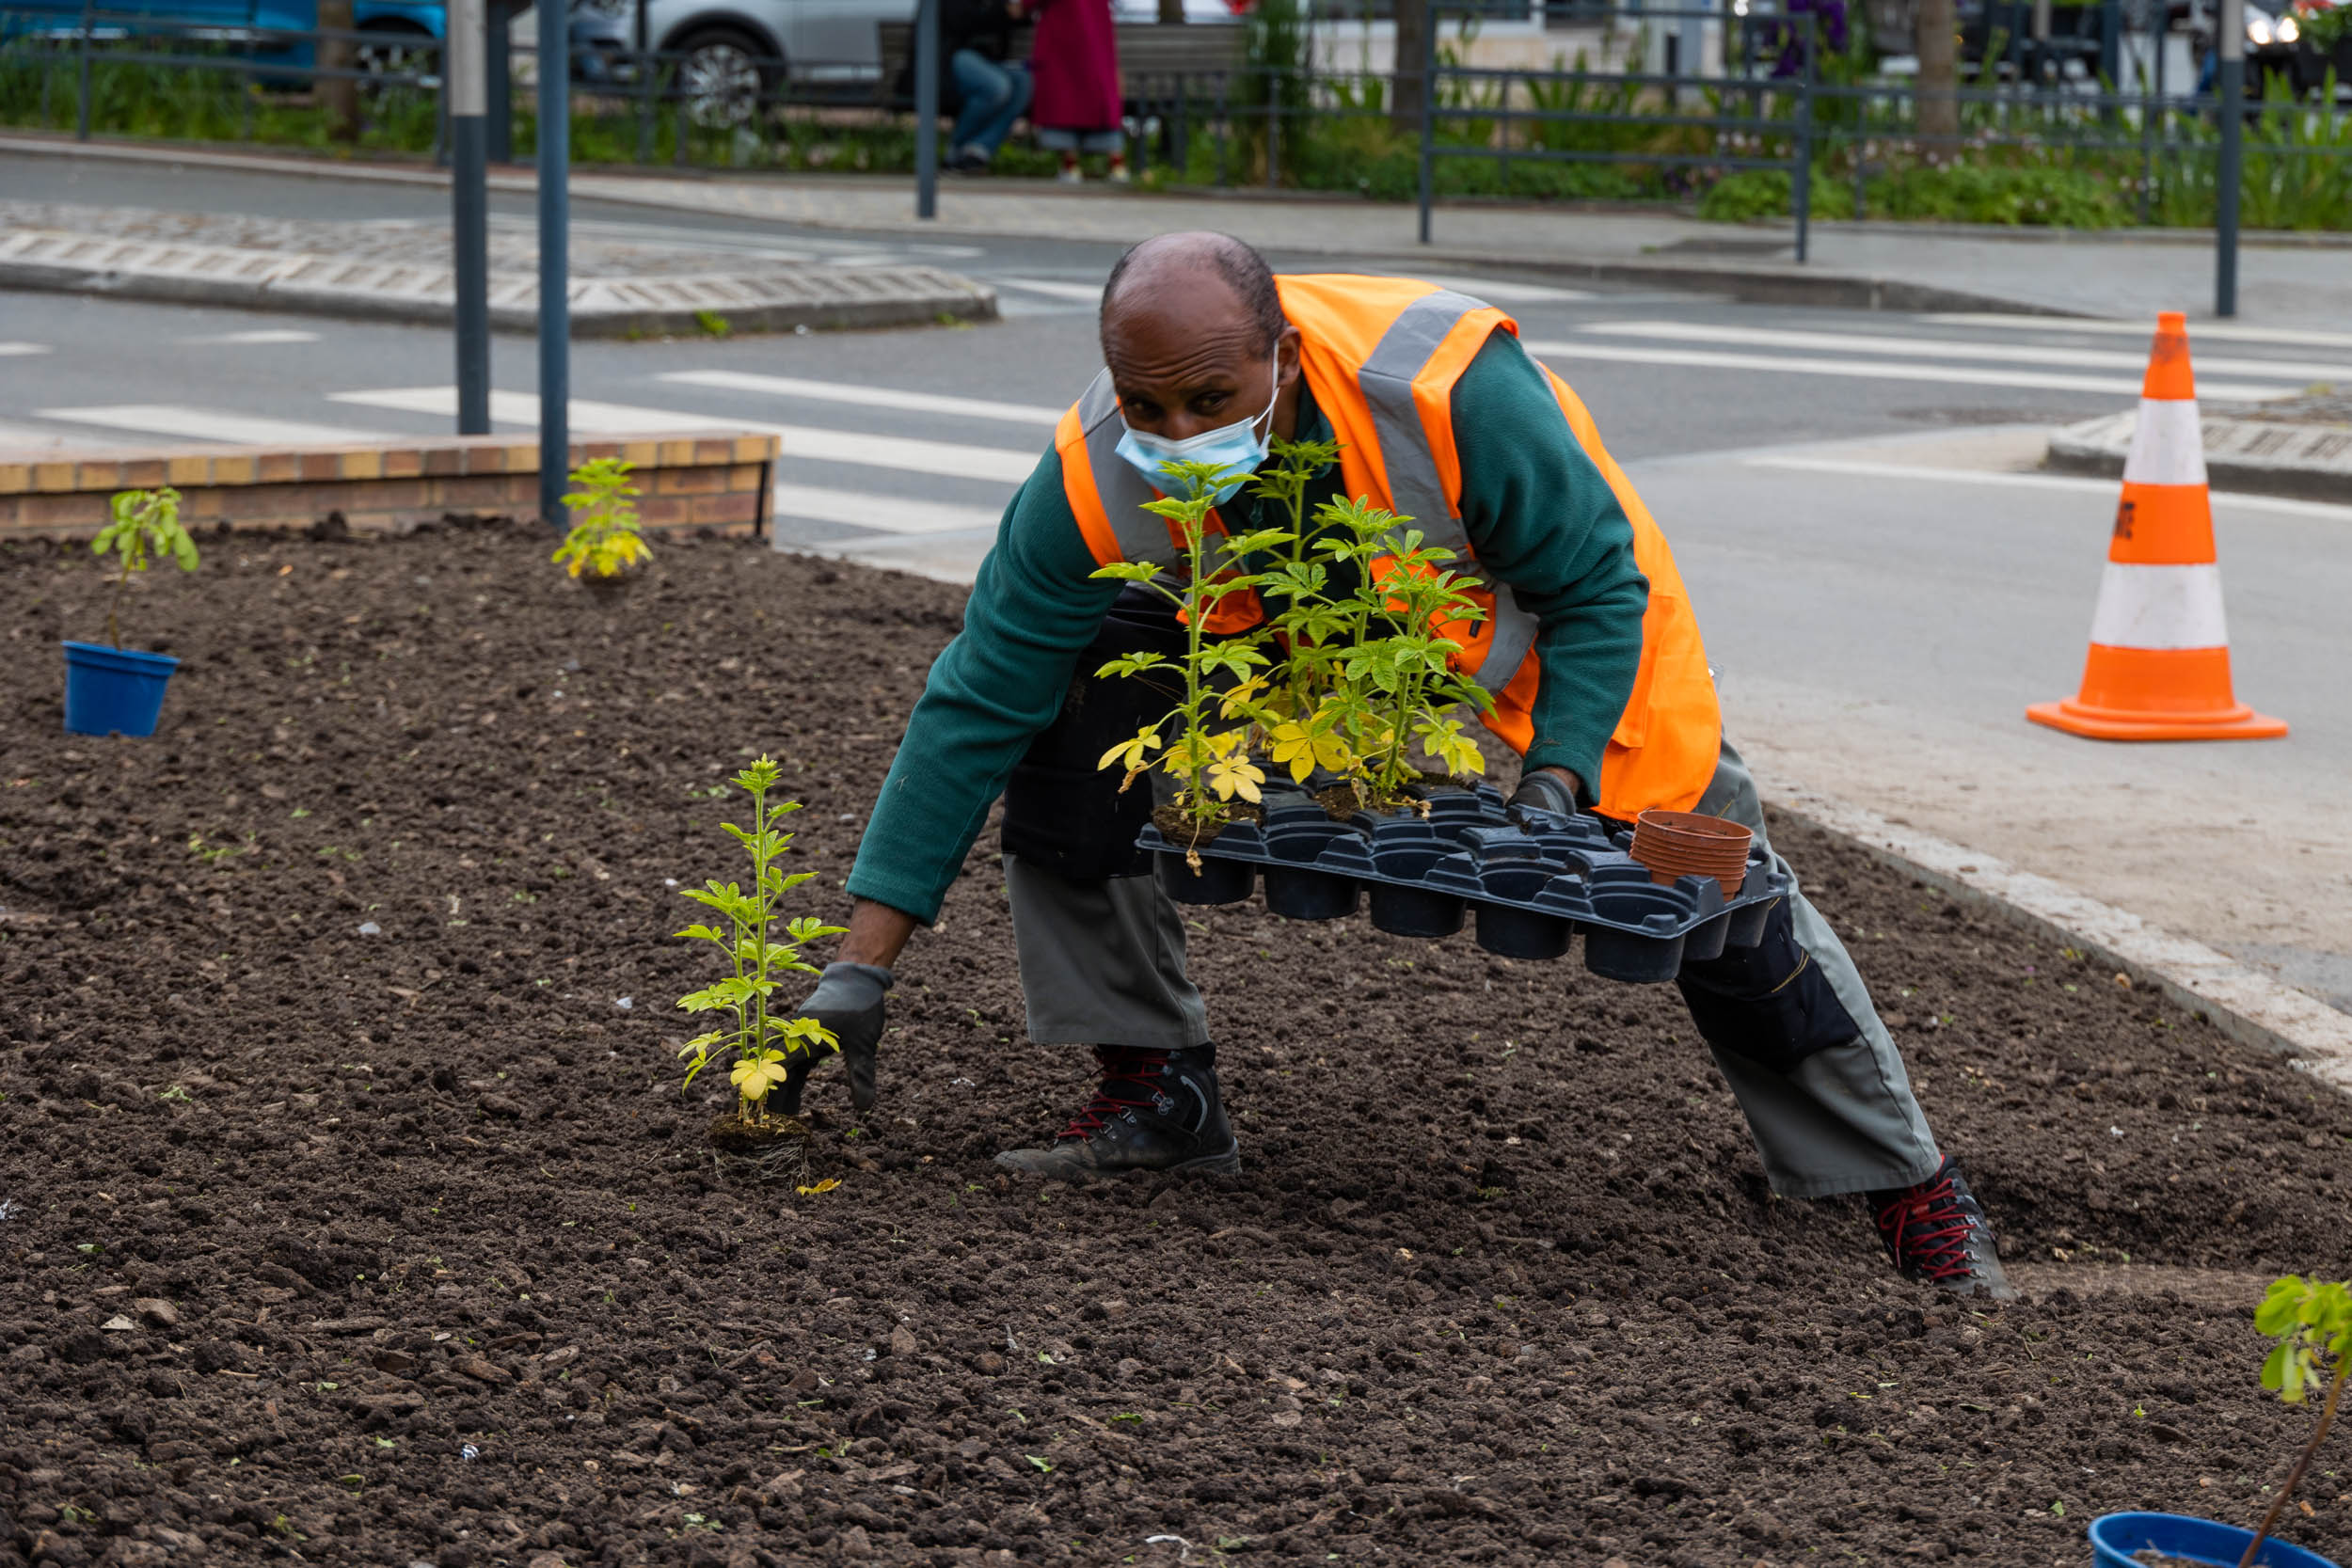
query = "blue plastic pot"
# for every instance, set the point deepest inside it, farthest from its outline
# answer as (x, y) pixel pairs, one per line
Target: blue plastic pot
(2115, 1537)
(114, 691)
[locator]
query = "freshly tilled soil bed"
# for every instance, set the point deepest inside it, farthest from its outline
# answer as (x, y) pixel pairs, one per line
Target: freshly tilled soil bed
(403, 1246)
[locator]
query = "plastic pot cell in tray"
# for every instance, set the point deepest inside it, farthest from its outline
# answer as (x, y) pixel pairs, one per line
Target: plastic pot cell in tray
(1295, 887)
(1534, 880)
(1205, 878)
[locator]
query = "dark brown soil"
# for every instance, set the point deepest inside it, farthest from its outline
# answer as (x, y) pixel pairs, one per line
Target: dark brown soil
(411, 1251)
(1182, 831)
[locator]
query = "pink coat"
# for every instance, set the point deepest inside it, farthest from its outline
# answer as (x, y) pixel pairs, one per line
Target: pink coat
(1075, 64)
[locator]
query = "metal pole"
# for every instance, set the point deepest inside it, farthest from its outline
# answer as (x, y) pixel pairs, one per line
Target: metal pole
(1800, 178)
(2231, 80)
(500, 18)
(2151, 77)
(81, 121)
(1273, 128)
(644, 88)
(927, 109)
(467, 97)
(1428, 112)
(555, 313)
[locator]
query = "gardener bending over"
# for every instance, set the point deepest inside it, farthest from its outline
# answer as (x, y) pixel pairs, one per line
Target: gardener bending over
(1591, 650)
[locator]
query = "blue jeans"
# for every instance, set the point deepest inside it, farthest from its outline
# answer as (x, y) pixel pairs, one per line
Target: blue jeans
(993, 96)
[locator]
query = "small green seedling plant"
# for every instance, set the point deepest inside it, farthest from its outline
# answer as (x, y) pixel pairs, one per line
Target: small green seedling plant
(1304, 727)
(146, 529)
(1407, 677)
(1378, 673)
(760, 946)
(2311, 1322)
(1209, 759)
(605, 540)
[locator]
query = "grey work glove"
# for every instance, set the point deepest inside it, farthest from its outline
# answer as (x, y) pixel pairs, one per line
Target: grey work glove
(848, 1001)
(1544, 791)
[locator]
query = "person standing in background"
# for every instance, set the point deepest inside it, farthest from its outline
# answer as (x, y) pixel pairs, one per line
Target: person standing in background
(1075, 61)
(976, 36)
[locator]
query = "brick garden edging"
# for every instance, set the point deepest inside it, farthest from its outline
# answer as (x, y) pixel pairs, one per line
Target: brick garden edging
(716, 479)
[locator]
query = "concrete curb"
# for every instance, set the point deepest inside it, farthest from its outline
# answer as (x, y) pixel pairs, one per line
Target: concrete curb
(1755, 283)
(1751, 283)
(2243, 1004)
(2308, 461)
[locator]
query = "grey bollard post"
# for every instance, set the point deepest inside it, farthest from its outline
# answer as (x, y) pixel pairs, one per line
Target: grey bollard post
(2229, 82)
(927, 109)
(555, 305)
(468, 93)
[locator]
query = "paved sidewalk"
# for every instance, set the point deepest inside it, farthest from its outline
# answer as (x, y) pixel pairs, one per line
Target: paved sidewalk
(392, 270)
(2286, 281)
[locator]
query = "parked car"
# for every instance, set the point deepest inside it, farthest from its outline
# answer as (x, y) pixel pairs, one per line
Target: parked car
(730, 55)
(2276, 48)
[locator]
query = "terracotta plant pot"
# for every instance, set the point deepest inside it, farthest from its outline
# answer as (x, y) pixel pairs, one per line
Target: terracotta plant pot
(1674, 843)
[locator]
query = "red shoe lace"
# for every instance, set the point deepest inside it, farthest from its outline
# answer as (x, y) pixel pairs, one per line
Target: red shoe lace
(1135, 1069)
(1927, 1229)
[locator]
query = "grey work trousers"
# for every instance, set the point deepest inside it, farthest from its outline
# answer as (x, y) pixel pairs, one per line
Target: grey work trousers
(1103, 964)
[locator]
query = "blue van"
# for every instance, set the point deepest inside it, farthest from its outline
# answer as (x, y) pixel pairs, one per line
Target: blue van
(401, 32)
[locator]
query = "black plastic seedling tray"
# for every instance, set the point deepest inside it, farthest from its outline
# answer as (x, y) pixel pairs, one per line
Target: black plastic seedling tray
(1536, 880)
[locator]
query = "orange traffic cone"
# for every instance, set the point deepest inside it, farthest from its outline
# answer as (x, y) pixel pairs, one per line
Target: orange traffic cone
(2159, 664)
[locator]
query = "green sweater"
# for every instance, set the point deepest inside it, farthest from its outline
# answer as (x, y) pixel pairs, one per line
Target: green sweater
(1540, 519)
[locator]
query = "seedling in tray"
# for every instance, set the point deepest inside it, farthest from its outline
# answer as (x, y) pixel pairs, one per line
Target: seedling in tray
(604, 542)
(1398, 685)
(759, 1043)
(1303, 724)
(1210, 762)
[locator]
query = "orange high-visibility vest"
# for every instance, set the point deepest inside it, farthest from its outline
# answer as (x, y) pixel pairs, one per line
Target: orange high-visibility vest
(1382, 356)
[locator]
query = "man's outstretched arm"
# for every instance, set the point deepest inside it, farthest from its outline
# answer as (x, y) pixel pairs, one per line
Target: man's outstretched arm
(1033, 608)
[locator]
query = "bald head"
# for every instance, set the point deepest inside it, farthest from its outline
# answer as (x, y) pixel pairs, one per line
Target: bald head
(1194, 336)
(1187, 264)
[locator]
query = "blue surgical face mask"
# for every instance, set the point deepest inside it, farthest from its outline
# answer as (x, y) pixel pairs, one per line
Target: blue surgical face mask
(1239, 447)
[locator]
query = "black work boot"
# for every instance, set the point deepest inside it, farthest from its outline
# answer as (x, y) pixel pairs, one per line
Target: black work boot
(1154, 1109)
(1937, 1231)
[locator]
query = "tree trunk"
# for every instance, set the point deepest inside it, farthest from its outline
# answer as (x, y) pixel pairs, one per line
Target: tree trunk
(1415, 26)
(1171, 12)
(338, 96)
(1939, 72)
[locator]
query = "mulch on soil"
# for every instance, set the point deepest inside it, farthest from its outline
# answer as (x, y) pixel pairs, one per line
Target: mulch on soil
(403, 1246)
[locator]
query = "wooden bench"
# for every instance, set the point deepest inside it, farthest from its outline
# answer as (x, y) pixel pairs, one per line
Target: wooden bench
(1153, 57)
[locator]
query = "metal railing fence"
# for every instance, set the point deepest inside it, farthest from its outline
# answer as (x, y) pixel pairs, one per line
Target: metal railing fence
(1845, 144)
(193, 66)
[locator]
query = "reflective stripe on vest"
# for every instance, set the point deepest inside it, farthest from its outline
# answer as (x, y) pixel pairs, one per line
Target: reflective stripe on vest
(1417, 490)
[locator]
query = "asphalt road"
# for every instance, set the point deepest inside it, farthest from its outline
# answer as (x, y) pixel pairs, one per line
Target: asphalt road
(1883, 590)
(1038, 355)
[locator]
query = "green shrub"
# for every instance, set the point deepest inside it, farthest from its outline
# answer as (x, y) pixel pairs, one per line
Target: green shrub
(1951, 192)
(1980, 193)
(1763, 193)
